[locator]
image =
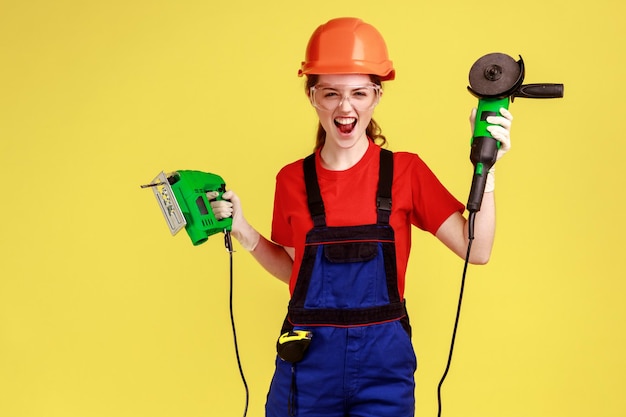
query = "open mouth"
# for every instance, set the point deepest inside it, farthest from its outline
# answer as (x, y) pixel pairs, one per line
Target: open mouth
(345, 124)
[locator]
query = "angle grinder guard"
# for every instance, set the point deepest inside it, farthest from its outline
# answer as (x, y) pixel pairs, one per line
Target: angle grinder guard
(496, 75)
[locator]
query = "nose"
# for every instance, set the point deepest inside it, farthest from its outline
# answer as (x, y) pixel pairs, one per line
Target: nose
(342, 103)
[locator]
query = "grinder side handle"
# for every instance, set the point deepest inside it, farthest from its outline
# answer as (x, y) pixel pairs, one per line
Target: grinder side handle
(545, 90)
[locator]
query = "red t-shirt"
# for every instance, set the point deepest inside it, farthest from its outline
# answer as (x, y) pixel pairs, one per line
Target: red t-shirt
(418, 198)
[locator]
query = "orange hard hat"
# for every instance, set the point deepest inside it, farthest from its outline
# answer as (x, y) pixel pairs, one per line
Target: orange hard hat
(347, 45)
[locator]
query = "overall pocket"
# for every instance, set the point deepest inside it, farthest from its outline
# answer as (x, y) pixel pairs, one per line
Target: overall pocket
(348, 275)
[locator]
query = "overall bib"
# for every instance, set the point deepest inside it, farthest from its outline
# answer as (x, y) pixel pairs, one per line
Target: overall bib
(360, 361)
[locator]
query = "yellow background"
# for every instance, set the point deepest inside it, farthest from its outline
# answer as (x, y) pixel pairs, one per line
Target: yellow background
(103, 313)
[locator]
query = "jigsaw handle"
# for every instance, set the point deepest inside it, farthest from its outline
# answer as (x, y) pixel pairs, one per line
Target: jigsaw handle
(190, 189)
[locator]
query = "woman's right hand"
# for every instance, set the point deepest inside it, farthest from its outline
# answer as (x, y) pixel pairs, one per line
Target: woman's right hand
(230, 206)
(223, 208)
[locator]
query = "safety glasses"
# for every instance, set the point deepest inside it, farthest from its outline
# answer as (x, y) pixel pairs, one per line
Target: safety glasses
(360, 97)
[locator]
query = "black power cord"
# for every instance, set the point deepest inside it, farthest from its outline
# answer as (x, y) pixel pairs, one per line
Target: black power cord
(229, 246)
(470, 227)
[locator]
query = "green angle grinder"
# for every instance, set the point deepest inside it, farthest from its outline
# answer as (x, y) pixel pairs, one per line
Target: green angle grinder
(496, 79)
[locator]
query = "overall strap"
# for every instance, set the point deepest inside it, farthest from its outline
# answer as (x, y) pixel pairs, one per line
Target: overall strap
(385, 179)
(314, 196)
(383, 198)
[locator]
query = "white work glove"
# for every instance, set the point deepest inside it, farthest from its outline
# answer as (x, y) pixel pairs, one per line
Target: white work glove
(230, 206)
(501, 131)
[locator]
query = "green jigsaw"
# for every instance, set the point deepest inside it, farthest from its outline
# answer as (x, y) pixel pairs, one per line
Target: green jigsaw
(182, 198)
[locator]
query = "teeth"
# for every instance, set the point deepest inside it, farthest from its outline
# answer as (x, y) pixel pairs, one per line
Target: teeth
(345, 120)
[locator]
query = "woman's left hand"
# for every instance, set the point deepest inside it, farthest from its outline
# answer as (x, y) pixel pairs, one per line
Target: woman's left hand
(500, 129)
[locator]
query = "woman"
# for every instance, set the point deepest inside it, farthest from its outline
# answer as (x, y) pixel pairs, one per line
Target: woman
(341, 234)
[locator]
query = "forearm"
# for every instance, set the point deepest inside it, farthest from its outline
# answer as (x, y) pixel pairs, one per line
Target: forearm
(272, 257)
(454, 232)
(484, 230)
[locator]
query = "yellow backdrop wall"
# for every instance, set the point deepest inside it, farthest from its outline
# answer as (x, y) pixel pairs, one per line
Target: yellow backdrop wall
(103, 313)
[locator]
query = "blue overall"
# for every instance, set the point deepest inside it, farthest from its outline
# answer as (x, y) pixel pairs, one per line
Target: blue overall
(360, 362)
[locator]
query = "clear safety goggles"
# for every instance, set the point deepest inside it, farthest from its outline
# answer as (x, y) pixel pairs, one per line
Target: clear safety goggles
(360, 97)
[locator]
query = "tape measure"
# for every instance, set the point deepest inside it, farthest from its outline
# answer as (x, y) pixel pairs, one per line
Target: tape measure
(292, 345)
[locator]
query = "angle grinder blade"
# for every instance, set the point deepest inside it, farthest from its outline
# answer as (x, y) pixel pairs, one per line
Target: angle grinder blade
(494, 75)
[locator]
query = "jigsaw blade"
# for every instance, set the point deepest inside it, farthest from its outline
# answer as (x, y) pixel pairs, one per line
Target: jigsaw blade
(167, 203)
